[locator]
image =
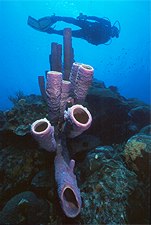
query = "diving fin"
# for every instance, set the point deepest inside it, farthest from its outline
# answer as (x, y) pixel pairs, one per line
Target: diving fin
(42, 24)
(46, 22)
(33, 23)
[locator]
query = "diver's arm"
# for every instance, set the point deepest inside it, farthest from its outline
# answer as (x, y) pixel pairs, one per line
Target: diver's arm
(94, 18)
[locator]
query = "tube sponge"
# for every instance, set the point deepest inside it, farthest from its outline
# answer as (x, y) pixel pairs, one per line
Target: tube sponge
(73, 76)
(78, 119)
(83, 82)
(65, 93)
(68, 190)
(53, 92)
(43, 132)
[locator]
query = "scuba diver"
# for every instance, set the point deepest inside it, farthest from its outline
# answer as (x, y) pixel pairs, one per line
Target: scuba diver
(92, 29)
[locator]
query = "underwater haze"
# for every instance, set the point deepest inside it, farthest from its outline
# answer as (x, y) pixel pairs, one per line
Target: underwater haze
(24, 53)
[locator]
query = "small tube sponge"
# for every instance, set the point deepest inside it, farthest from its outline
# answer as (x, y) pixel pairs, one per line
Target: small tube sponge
(73, 76)
(68, 190)
(65, 93)
(43, 133)
(53, 92)
(83, 82)
(78, 119)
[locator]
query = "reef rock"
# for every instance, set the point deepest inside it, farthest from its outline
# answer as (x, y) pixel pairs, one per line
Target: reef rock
(115, 118)
(3, 121)
(82, 144)
(137, 153)
(42, 184)
(25, 208)
(146, 130)
(18, 165)
(140, 115)
(107, 185)
(24, 112)
(110, 115)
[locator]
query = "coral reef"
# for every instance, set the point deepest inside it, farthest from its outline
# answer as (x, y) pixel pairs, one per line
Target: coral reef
(102, 102)
(137, 153)
(113, 183)
(3, 121)
(106, 186)
(24, 113)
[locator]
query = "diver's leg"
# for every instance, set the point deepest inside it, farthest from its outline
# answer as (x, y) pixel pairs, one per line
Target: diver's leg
(75, 33)
(79, 23)
(45, 23)
(42, 24)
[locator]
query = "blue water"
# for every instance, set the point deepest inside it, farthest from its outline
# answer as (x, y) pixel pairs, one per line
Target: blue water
(24, 51)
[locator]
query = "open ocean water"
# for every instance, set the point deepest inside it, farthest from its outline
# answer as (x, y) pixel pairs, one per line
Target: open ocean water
(24, 53)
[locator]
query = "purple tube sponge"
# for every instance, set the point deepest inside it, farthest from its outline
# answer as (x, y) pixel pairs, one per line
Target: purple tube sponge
(83, 82)
(53, 92)
(68, 190)
(78, 119)
(73, 76)
(65, 93)
(43, 132)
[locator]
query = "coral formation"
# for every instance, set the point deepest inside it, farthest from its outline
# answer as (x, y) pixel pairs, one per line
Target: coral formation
(3, 121)
(77, 120)
(137, 153)
(68, 190)
(43, 132)
(53, 91)
(107, 183)
(24, 113)
(133, 149)
(65, 94)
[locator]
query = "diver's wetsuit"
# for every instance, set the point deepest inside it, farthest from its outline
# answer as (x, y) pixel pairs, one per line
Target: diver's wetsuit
(96, 32)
